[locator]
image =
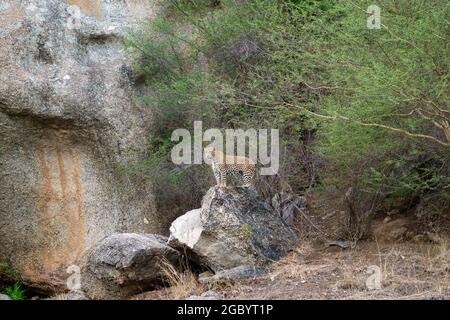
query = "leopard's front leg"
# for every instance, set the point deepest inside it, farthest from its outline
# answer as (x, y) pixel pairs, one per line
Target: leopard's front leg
(248, 177)
(217, 176)
(223, 178)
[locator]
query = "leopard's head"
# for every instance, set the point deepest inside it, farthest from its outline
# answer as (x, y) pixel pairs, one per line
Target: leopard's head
(210, 152)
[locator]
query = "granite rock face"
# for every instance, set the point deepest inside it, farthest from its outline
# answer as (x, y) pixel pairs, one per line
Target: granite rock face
(67, 119)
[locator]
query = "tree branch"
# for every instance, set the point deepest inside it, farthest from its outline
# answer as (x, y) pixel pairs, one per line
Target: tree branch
(373, 125)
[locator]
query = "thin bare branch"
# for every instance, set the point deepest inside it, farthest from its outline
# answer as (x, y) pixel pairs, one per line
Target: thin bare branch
(374, 125)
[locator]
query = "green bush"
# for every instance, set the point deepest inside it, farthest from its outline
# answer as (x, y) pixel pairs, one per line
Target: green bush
(356, 108)
(390, 84)
(15, 292)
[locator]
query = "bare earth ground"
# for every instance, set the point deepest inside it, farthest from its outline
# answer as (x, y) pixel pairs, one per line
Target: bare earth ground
(408, 271)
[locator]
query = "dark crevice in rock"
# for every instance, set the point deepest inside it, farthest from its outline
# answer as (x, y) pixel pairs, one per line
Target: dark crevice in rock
(47, 121)
(98, 37)
(43, 54)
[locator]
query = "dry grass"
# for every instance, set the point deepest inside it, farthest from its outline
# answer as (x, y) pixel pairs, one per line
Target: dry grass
(408, 271)
(183, 283)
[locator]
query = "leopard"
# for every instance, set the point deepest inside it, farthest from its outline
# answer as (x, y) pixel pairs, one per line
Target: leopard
(223, 164)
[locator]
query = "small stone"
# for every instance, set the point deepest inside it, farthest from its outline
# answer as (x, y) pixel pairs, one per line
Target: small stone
(433, 237)
(397, 233)
(341, 244)
(208, 295)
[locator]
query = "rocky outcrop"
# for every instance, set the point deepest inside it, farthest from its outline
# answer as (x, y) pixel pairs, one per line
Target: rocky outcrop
(234, 227)
(125, 264)
(286, 204)
(67, 120)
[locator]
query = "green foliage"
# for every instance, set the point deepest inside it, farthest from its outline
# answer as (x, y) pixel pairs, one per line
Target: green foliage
(279, 64)
(7, 273)
(15, 292)
(236, 65)
(382, 76)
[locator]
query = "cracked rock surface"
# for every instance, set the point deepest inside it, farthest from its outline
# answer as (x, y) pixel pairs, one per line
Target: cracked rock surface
(67, 120)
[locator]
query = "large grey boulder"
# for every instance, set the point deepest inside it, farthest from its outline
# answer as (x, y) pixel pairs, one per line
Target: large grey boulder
(234, 227)
(125, 264)
(68, 119)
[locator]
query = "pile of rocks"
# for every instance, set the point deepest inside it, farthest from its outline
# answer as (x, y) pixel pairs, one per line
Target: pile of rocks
(235, 234)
